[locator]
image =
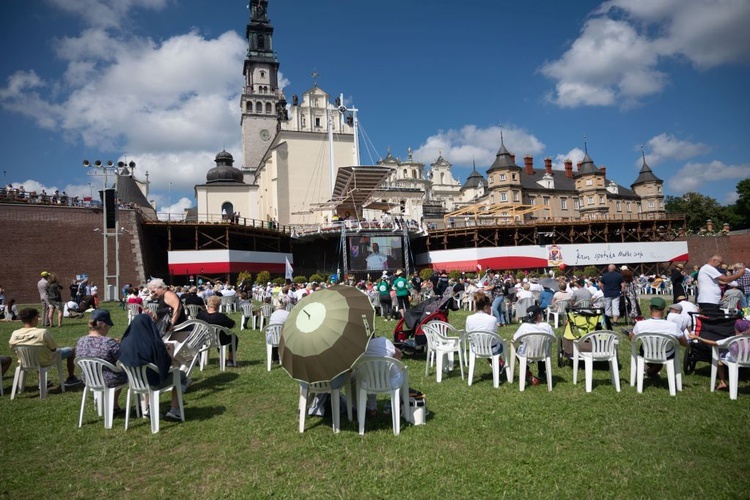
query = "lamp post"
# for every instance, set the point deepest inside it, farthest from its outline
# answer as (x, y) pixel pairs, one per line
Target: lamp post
(103, 170)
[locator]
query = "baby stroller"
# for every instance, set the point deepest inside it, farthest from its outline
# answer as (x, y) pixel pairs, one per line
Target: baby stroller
(712, 327)
(581, 321)
(408, 335)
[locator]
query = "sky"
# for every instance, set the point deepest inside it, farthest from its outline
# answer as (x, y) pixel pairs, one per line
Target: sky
(158, 82)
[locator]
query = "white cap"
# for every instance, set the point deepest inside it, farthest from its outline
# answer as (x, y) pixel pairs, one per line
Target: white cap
(622, 268)
(734, 284)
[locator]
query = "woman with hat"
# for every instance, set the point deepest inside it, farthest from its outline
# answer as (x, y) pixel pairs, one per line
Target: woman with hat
(98, 345)
(677, 277)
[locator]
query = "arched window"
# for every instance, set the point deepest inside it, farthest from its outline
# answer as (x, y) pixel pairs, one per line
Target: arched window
(269, 110)
(227, 209)
(262, 74)
(406, 174)
(258, 107)
(442, 177)
(249, 108)
(261, 42)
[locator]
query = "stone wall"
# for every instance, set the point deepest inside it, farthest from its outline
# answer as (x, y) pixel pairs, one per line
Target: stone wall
(63, 240)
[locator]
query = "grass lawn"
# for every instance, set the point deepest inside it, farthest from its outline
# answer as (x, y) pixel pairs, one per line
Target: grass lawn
(240, 438)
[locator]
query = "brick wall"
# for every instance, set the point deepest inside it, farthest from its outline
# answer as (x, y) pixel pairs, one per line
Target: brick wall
(740, 244)
(36, 238)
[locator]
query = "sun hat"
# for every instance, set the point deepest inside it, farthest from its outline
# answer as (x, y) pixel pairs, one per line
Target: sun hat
(657, 303)
(399, 272)
(676, 307)
(681, 298)
(102, 315)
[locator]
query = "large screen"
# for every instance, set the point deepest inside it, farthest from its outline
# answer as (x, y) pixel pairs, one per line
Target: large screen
(375, 253)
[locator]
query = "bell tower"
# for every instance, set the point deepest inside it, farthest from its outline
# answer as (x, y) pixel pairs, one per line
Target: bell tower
(261, 96)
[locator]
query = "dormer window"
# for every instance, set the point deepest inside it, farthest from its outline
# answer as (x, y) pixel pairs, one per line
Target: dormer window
(514, 177)
(502, 177)
(589, 182)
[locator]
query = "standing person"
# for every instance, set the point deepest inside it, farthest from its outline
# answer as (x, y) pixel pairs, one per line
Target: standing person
(677, 277)
(54, 300)
(744, 282)
(169, 312)
(709, 277)
(416, 284)
(402, 291)
(384, 294)
(496, 287)
(73, 290)
(612, 283)
(30, 335)
(657, 323)
(632, 307)
(42, 286)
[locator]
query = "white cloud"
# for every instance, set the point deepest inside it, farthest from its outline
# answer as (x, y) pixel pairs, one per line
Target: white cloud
(694, 175)
(615, 59)
(471, 143)
(175, 211)
(664, 147)
(105, 13)
(575, 155)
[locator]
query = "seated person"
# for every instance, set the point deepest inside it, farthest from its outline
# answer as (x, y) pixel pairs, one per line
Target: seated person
(675, 316)
(533, 324)
(656, 324)
(71, 310)
(212, 316)
(733, 296)
(382, 347)
(11, 310)
(87, 303)
(133, 298)
(192, 298)
(741, 327)
(483, 320)
(142, 344)
(5, 362)
(30, 335)
(580, 293)
(98, 345)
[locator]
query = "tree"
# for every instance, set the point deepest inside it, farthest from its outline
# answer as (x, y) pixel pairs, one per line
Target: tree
(741, 208)
(263, 277)
(699, 208)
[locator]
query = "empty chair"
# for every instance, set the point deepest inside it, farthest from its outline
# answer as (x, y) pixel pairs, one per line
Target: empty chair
(272, 333)
(192, 310)
(265, 314)
(490, 346)
(603, 348)
(440, 346)
(28, 361)
(536, 347)
(378, 375)
(656, 350)
(138, 384)
(134, 309)
(558, 310)
(307, 390)
(94, 382)
(738, 356)
(192, 348)
(227, 304)
(247, 315)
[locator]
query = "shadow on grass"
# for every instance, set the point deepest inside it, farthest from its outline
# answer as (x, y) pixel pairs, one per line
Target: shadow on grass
(209, 385)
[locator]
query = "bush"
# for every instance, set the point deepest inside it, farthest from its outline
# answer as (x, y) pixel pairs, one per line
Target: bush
(299, 279)
(263, 277)
(425, 273)
(520, 275)
(279, 281)
(316, 278)
(246, 276)
(454, 275)
(590, 271)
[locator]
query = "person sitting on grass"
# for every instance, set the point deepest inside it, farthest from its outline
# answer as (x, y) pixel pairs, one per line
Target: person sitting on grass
(741, 327)
(142, 344)
(11, 310)
(98, 345)
(657, 323)
(212, 316)
(30, 335)
(533, 324)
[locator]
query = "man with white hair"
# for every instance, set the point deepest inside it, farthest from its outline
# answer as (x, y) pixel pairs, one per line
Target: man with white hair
(709, 278)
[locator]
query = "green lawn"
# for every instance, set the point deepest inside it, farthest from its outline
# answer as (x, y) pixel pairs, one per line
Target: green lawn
(240, 439)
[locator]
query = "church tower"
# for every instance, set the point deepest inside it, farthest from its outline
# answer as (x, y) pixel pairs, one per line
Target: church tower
(262, 102)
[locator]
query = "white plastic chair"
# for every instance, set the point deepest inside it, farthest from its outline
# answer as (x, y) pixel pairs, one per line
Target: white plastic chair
(480, 346)
(307, 390)
(93, 377)
(741, 360)
(468, 302)
(227, 304)
(138, 385)
(223, 349)
(655, 349)
(192, 310)
(151, 306)
(28, 361)
(440, 346)
(194, 346)
(557, 309)
(247, 315)
(537, 347)
(519, 310)
(265, 314)
(378, 375)
(603, 348)
(272, 334)
(134, 309)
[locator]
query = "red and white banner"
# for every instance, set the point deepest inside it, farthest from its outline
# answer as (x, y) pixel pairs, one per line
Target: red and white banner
(226, 261)
(529, 257)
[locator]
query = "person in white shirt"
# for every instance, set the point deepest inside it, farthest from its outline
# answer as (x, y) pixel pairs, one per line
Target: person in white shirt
(675, 316)
(383, 348)
(376, 260)
(709, 277)
(533, 324)
(658, 324)
(483, 320)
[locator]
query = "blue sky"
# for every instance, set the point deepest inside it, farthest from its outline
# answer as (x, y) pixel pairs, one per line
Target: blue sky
(158, 82)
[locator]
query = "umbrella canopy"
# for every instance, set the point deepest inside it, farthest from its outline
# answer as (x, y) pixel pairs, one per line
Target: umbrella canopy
(325, 333)
(550, 283)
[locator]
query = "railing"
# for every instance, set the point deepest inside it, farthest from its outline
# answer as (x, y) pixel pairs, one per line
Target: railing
(215, 219)
(487, 221)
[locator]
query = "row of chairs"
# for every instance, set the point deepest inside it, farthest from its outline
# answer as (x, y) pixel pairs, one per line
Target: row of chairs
(443, 341)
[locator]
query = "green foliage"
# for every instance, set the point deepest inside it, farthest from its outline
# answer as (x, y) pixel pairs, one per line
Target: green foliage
(425, 273)
(245, 275)
(263, 277)
(278, 281)
(741, 208)
(520, 275)
(317, 278)
(699, 208)
(590, 271)
(299, 279)
(240, 437)
(454, 274)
